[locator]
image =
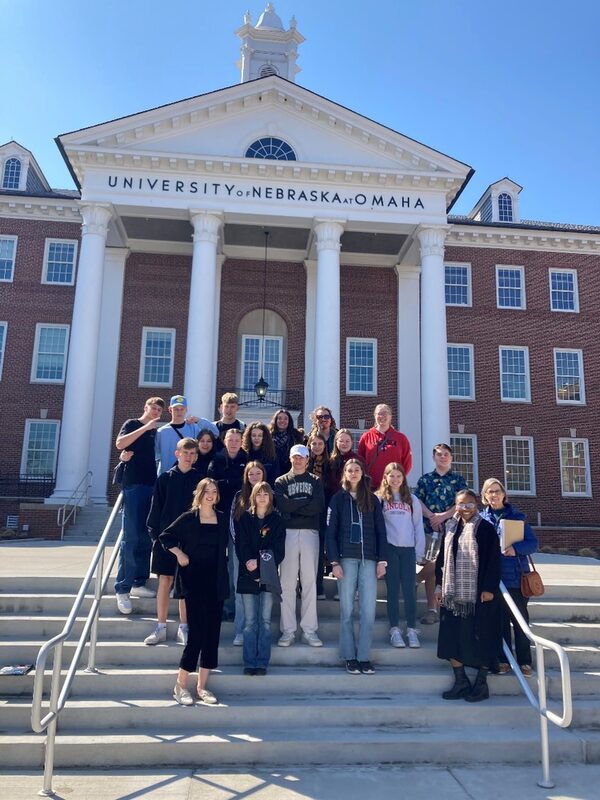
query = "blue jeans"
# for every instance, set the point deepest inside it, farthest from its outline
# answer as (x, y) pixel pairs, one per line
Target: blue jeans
(136, 546)
(257, 629)
(401, 571)
(362, 575)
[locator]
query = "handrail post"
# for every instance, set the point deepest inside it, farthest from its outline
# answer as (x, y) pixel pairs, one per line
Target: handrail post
(91, 667)
(546, 782)
(47, 791)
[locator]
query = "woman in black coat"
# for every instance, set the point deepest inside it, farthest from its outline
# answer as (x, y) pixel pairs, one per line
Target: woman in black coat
(261, 534)
(467, 572)
(198, 539)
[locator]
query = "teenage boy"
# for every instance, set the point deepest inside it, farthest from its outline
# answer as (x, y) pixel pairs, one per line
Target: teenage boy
(230, 405)
(173, 494)
(436, 490)
(137, 437)
(382, 444)
(179, 427)
(300, 498)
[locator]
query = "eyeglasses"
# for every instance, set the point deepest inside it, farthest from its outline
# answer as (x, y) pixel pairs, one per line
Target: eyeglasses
(323, 416)
(494, 491)
(468, 506)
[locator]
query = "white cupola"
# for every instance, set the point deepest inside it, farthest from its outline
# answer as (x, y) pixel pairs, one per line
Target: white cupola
(499, 203)
(267, 48)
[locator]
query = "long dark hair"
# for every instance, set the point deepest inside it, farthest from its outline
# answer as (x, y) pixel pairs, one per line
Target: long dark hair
(364, 495)
(267, 448)
(243, 500)
(337, 459)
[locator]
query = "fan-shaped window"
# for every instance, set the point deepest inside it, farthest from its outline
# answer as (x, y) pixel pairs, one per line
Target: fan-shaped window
(505, 211)
(267, 70)
(12, 174)
(270, 147)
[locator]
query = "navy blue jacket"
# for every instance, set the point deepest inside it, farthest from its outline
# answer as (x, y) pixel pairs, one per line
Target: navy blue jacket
(339, 522)
(511, 571)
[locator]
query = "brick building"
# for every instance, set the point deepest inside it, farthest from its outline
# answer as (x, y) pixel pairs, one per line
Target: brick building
(156, 276)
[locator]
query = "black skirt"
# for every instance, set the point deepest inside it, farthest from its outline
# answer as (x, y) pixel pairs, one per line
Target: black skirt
(163, 562)
(472, 640)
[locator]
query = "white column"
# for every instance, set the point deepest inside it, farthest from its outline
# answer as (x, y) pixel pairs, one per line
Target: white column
(102, 450)
(200, 365)
(309, 340)
(80, 384)
(327, 315)
(434, 359)
(409, 362)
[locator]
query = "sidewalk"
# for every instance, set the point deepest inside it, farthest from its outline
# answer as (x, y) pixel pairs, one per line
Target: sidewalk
(419, 783)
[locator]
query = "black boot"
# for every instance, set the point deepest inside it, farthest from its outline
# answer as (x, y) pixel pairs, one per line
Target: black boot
(480, 690)
(462, 685)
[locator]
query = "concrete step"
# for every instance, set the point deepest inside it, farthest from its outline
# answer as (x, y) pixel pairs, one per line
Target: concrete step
(249, 745)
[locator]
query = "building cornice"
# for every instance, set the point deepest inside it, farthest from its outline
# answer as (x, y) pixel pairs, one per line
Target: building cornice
(523, 239)
(40, 209)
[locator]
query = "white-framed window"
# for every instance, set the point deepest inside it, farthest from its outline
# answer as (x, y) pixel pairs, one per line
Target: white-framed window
(261, 356)
(464, 458)
(50, 353)
(510, 287)
(157, 357)
(461, 378)
(568, 375)
(11, 177)
(564, 292)
(59, 261)
(505, 207)
(3, 330)
(458, 284)
(40, 446)
(514, 375)
(575, 468)
(519, 467)
(361, 366)
(8, 252)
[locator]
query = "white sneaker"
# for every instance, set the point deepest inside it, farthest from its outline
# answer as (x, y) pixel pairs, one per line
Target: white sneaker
(238, 640)
(413, 638)
(286, 639)
(142, 591)
(158, 635)
(182, 635)
(396, 639)
(183, 697)
(124, 604)
(205, 696)
(312, 639)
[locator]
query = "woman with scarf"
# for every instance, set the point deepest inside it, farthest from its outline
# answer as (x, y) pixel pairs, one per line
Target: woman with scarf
(513, 562)
(467, 572)
(257, 443)
(285, 436)
(343, 451)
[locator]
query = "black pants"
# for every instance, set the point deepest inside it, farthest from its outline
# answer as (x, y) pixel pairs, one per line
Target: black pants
(522, 647)
(204, 630)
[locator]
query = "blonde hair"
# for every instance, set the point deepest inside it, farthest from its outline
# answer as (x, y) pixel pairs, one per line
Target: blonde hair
(200, 491)
(486, 486)
(385, 490)
(230, 397)
(261, 486)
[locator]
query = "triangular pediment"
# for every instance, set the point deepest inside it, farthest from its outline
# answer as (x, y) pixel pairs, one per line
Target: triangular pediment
(218, 127)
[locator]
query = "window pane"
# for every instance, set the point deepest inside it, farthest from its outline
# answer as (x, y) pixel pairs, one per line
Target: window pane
(457, 285)
(505, 208)
(513, 369)
(361, 366)
(463, 458)
(51, 354)
(510, 290)
(12, 174)
(459, 371)
(574, 468)
(250, 370)
(61, 258)
(41, 448)
(7, 259)
(272, 362)
(568, 376)
(158, 354)
(518, 465)
(562, 291)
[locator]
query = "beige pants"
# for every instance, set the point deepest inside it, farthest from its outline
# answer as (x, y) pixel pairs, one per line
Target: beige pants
(301, 557)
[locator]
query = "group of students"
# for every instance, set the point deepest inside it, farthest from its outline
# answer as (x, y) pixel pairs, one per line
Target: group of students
(266, 511)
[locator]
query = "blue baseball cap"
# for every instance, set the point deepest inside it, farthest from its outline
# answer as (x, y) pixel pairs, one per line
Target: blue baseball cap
(178, 400)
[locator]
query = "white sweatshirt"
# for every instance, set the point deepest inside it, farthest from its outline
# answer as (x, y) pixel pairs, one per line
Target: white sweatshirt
(403, 528)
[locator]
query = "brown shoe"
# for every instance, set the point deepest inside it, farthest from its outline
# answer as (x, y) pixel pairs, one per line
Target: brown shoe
(503, 668)
(526, 669)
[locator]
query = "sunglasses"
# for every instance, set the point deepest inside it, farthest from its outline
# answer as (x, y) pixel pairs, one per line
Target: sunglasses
(466, 505)
(323, 416)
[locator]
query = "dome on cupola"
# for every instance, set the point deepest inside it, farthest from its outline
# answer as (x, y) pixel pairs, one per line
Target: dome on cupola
(269, 19)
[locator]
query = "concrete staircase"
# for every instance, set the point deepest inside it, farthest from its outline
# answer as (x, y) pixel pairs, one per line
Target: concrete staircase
(89, 525)
(306, 711)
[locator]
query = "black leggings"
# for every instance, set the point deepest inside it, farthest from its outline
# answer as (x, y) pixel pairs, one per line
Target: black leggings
(204, 630)
(522, 643)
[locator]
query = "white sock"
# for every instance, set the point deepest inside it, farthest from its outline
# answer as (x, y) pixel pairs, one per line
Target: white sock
(161, 624)
(183, 626)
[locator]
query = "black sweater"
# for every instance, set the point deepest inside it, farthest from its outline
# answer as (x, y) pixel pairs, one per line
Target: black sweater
(173, 494)
(256, 534)
(300, 499)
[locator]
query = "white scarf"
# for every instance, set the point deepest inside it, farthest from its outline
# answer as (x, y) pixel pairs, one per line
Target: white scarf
(459, 581)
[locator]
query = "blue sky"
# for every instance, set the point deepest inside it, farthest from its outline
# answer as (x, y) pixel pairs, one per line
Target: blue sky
(510, 88)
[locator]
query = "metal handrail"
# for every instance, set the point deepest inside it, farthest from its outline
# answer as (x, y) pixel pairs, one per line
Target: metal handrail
(59, 693)
(540, 702)
(62, 517)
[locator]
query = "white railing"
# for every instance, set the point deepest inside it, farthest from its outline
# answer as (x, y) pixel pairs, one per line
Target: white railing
(540, 702)
(59, 692)
(78, 497)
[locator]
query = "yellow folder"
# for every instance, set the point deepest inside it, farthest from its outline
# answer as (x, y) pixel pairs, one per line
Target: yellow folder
(511, 531)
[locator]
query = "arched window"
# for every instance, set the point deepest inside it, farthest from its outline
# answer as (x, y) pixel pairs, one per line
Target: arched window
(267, 70)
(270, 147)
(505, 209)
(260, 354)
(12, 174)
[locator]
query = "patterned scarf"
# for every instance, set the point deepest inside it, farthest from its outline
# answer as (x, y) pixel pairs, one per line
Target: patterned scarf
(459, 581)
